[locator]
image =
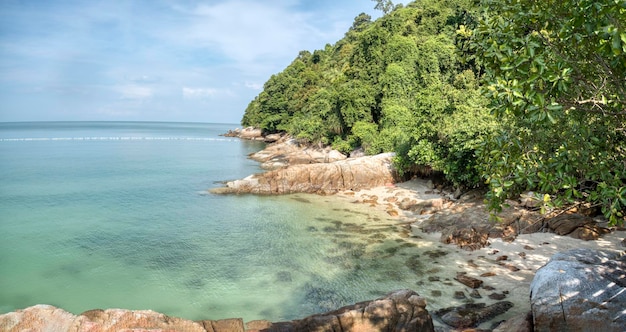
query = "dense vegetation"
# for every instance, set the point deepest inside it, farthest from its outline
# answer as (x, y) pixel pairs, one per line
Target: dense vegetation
(516, 94)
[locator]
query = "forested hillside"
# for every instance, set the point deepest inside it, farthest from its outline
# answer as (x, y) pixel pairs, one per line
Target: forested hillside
(517, 95)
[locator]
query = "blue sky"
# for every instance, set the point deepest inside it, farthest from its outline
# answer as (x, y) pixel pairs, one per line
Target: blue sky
(154, 60)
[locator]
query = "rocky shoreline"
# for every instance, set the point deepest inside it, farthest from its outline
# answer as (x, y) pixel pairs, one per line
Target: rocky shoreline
(526, 265)
(520, 243)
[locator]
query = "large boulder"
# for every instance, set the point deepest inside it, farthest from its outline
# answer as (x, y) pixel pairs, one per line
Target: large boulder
(402, 310)
(38, 318)
(580, 290)
(49, 318)
(320, 178)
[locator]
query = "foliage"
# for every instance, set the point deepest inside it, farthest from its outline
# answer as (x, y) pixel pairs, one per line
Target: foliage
(555, 74)
(402, 83)
(518, 94)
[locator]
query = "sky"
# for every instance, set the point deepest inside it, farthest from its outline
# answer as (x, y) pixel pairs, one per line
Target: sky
(154, 60)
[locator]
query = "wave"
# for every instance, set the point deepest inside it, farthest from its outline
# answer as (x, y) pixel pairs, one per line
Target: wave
(115, 138)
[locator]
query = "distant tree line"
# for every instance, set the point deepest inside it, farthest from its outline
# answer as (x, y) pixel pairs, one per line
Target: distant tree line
(513, 94)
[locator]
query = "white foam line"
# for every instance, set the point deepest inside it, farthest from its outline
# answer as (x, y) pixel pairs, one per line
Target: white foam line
(121, 138)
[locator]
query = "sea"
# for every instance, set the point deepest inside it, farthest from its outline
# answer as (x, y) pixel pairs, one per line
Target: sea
(97, 215)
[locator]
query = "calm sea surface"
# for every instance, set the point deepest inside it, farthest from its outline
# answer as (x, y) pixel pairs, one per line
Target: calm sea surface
(117, 215)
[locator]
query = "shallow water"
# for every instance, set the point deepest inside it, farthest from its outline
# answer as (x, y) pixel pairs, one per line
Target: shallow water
(117, 215)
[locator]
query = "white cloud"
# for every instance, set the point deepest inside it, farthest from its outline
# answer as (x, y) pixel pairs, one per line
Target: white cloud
(134, 92)
(254, 85)
(142, 57)
(204, 93)
(246, 30)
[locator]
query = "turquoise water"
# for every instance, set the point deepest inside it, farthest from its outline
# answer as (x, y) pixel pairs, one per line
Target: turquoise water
(117, 215)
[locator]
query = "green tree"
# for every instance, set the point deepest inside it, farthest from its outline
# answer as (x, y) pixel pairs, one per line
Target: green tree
(384, 5)
(555, 73)
(405, 82)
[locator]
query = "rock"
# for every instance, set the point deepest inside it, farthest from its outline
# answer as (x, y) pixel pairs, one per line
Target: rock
(49, 318)
(475, 294)
(521, 323)
(119, 319)
(406, 204)
(251, 133)
(428, 206)
(497, 296)
(38, 318)
(471, 315)
(574, 225)
(392, 213)
(468, 281)
(272, 138)
(471, 264)
(233, 133)
(288, 151)
(510, 267)
(469, 225)
(459, 295)
(580, 290)
(257, 325)
(567, 223)
(360, 152)
(319, 178)
(466, 238)
(223, 325)
(402, 310)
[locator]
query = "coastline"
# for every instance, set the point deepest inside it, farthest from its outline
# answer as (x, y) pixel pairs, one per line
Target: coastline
(505, 256)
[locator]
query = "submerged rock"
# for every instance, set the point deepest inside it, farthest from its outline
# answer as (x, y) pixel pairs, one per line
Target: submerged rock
(468, 281)
(472, 314)
(580, 290)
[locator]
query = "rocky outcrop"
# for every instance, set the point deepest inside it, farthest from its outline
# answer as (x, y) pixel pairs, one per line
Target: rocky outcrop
(402, 310)
(399, 311)
(288, 151)
(574, 225)
(320, 178)
(468, 224)
(580, 290)
(251, 133)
